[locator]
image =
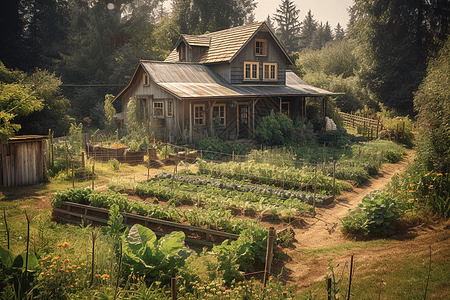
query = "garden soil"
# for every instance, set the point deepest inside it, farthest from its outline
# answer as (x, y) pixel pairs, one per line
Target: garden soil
(320, 231)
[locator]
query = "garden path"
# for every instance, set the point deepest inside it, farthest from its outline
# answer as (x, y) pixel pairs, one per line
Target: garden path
(322, 232)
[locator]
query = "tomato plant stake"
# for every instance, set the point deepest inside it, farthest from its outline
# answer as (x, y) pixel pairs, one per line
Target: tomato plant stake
(315, 184)
(350, 278)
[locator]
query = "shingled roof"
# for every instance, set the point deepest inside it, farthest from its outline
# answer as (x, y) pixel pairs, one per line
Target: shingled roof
(224, 45)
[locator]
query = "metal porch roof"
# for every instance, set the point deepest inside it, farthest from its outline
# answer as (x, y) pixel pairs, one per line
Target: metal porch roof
(192, 81)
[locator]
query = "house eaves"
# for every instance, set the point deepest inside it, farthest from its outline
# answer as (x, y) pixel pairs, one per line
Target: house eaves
(197, 81)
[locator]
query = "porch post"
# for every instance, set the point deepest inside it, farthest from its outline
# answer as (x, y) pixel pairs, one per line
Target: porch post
(190, 122)
(253, 117)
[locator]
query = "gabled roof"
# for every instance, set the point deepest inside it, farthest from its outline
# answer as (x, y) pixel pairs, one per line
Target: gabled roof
(224, 45)
(197, 81)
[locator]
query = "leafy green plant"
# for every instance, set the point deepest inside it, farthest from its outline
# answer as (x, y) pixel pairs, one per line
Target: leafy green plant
(144, 255)
(17, 271)
(377, 213)
(276, 129)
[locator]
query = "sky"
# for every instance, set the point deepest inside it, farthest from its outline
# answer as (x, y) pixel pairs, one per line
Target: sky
(333, 11)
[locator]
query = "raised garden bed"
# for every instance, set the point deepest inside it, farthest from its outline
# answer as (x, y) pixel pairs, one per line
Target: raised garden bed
(121, 154)
(76, 213)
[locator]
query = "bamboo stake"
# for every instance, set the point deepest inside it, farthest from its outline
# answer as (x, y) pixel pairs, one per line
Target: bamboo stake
(328, 281)
(428, 277)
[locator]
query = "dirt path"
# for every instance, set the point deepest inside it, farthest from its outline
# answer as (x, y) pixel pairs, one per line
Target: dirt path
(322, 231)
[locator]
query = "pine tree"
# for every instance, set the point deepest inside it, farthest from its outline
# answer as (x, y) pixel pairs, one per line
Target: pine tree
(308, 30)
(289, 26)
(269, 23)
(339, 33)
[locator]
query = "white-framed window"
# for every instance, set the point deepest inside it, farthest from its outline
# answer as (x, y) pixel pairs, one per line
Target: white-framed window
(251, 70)
(158, 109)
(219, 113)
(169, 108)
(145, 81)
(199, 114)
(285, 108)
(260, 47)
(270, 71)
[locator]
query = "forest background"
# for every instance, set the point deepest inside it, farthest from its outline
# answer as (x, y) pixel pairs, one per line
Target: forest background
(61, 57)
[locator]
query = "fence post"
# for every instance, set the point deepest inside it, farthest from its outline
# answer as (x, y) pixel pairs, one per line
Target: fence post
(93, 175)
(148, 165)
(334, 180)
(315, 184)
(378, 125)
(73, 176)
(270, 239)
(83, 164)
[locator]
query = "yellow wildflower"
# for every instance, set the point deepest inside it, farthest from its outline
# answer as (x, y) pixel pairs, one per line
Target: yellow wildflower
(439, 174)
(411, 191)
(430, 187)
(410, 200)
(412, 185)
(65, 245)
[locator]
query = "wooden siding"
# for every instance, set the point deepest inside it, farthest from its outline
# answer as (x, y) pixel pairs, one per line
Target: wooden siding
(153, 93)
(274, 55)
(23, 162)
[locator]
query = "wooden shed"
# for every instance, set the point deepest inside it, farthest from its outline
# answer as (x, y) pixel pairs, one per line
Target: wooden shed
(23, 160)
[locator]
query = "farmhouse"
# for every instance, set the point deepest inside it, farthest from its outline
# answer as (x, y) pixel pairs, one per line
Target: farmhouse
(219, 83)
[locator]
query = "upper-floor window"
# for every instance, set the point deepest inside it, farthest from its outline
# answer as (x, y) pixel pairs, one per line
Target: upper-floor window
(158, 109)
(219, 113)
(145, 81)
(251, 70)
(199, 114)
(260, 47)
(270, 71)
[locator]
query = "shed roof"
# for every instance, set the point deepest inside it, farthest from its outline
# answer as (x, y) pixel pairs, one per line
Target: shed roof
(192, 80)
(223, 45)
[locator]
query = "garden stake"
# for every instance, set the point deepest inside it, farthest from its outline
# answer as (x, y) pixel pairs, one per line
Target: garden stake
(6, 225)
(118, 271)
(350, 278)
(173, 288)
(328, 281)
(94, 236)
(28, 240)
(270, 239)
(381, 282)
(93, 175)
(428, 277)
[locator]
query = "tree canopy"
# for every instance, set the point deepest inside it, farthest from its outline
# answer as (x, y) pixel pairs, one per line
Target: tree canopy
(432, 102)
(395, 39)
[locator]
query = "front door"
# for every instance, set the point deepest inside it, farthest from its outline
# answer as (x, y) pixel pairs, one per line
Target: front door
(243, 121)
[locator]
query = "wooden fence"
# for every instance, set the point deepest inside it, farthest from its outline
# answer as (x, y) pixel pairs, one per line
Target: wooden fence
(78, 214)
(368, 127)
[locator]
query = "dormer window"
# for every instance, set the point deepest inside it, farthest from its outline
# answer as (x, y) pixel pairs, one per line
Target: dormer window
(260, 47)
(251, 70)
(145, 81)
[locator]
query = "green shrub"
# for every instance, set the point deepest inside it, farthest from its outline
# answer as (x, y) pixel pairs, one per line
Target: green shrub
(377, 214)
(276, 129)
